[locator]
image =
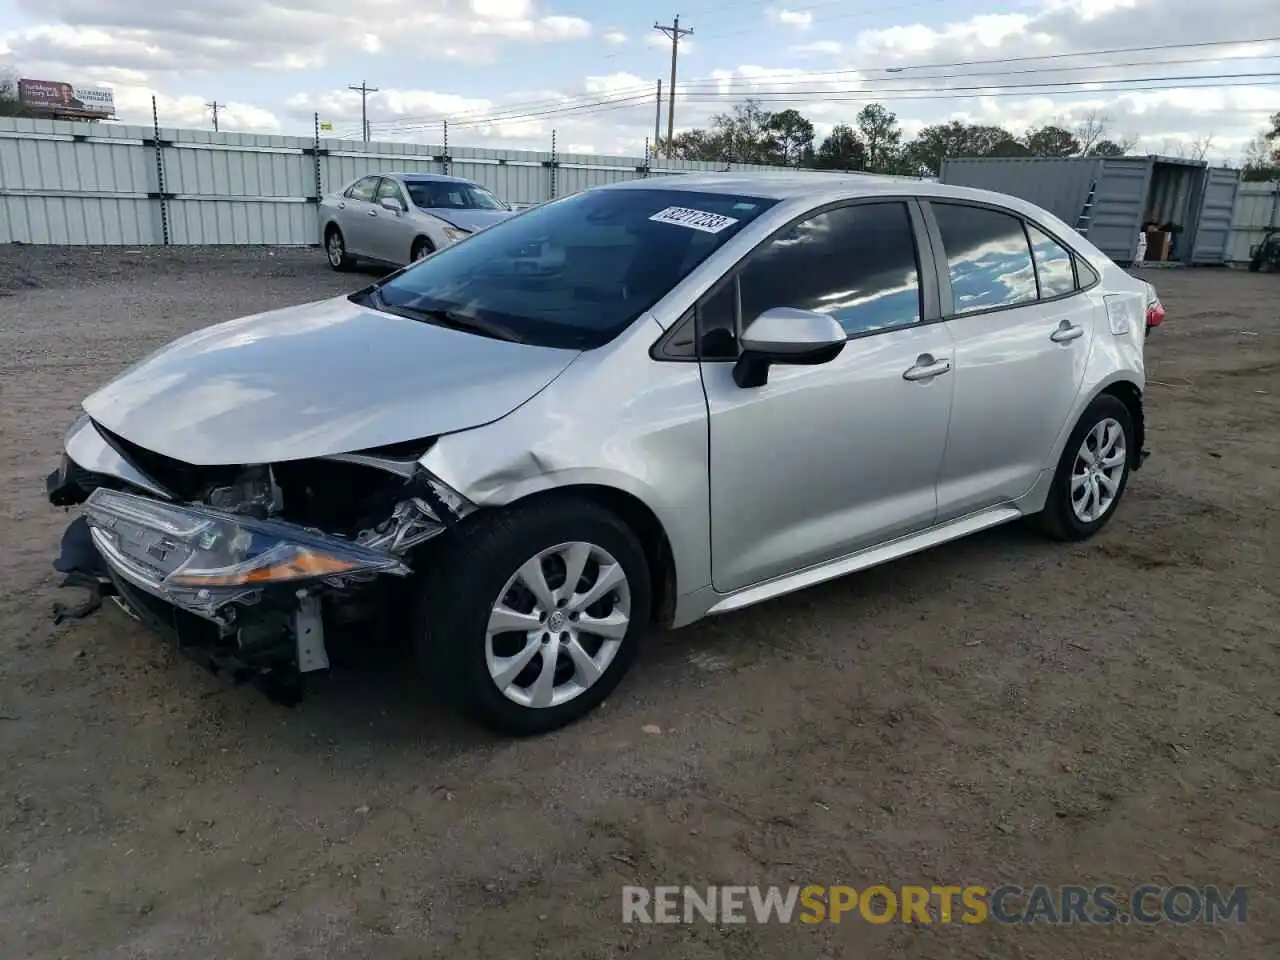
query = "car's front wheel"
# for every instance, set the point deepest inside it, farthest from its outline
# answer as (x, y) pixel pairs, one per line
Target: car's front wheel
(422, 248)
(531, 616)
(335, 248)
(1092, 473)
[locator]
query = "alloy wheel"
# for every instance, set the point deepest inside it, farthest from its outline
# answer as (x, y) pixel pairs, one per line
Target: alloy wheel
(558, 624)
(335, 249)
(1097, 471)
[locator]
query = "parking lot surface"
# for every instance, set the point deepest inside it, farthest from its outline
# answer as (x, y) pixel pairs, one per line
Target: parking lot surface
(999, 710)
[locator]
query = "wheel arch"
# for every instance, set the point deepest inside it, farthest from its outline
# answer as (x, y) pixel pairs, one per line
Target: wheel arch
(1126, 387)
(1130, 394)
(643, 522)
(421, 237)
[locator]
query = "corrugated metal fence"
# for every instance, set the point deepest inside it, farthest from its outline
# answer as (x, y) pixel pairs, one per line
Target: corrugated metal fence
(73, 183)
(1257, 206)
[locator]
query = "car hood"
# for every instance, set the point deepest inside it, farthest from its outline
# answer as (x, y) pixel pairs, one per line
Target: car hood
(473, 220)
(314, 380)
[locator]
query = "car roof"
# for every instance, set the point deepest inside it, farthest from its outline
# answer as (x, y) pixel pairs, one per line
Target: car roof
(415, 177)
(818, 187)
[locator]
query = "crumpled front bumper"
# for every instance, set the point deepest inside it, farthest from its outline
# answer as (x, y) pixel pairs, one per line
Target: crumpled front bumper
(267, 632)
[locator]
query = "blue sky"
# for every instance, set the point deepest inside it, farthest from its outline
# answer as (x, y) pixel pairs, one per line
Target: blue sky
(499, 68)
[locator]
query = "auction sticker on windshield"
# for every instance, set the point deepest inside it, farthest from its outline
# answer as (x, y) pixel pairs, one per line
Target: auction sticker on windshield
(694, 219)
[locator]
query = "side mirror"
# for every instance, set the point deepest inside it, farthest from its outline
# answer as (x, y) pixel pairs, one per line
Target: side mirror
(786, 335)
(392, 204)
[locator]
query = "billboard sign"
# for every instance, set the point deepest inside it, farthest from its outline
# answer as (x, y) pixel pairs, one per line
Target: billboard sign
(58, 97)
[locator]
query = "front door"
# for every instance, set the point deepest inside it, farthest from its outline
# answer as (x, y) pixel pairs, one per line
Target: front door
(393, 233)
(825, 460)
(1023, 330)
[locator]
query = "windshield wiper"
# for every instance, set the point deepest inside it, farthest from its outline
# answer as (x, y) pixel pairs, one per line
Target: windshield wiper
(444, 318)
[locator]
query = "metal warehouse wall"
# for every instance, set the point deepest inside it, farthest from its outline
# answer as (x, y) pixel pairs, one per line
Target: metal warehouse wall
(1059, 185)
(1257, 206)
(76, 183)
(1128, 189)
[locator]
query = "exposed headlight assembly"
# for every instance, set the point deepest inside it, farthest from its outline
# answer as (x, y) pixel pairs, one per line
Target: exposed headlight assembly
(202, 559)
(454, 234)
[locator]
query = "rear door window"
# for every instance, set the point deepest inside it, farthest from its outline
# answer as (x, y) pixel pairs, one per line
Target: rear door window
(988, 257)
(1054, 267)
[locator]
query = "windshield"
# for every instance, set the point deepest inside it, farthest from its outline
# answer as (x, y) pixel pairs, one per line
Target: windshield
(451, 195)
(573, 273)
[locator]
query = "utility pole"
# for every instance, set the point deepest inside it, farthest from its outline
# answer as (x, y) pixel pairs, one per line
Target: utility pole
(364, 90)
(657, 117)
(674, 33)
(214, 107)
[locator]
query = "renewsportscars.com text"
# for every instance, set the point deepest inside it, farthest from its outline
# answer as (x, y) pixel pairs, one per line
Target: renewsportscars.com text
(969, 904)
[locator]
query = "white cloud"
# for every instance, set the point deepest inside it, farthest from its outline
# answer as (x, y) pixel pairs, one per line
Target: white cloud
(265, 35)
(819, 48)
(141, 47)
(133, 105)
(661, 42)
(800, 19)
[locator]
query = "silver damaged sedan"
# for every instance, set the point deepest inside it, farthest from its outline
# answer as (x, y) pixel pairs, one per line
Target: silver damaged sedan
(632, 407)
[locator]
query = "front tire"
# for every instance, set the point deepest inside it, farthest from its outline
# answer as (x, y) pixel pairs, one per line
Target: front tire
(529, 619)
(422, 247)
(1092, 473)
(335, 249)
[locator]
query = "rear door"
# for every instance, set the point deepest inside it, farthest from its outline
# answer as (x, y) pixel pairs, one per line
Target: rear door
(356, 216)
(1022, 329)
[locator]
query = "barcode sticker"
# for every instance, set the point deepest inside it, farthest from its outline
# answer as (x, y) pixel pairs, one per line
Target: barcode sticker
(694, 219)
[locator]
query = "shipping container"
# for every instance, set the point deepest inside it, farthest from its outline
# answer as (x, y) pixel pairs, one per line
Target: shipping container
(1109, 200)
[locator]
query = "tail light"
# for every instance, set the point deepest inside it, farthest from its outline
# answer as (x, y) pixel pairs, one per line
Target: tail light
(1155, 314)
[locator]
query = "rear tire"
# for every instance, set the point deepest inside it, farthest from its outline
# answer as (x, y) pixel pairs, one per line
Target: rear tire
(524, 660)
(335, 248)
(1092, 472)
(422, 247)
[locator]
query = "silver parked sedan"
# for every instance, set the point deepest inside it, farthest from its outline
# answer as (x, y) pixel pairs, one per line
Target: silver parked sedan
(396, 218)
(635, 406)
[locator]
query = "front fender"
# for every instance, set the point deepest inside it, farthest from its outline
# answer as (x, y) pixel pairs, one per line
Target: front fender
(610, 420)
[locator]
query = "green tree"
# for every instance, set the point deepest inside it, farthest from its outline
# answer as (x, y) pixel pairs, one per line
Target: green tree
(789, 138)
(1010, 148)
(955, 139)
(1262, 155)
(841, 149)
(695, 144)
(1106, 148)
(1052, 141)
(743, 133)
(881, 136)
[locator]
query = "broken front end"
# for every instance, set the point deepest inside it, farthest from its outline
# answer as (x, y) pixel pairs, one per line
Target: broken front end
(245, 567)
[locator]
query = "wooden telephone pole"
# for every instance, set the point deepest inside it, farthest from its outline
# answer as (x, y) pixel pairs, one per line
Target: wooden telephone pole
(674, 33)
(364, 90)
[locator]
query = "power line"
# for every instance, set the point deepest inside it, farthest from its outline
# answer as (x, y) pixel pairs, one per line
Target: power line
(480, 115)
(692, 85)
(214, 105)
(817, 74)
(908, 93)
(1173, 80)
(364, 90)
(673, 33)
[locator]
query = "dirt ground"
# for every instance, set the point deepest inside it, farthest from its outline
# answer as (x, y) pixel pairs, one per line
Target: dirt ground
(1001, 710)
